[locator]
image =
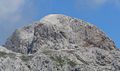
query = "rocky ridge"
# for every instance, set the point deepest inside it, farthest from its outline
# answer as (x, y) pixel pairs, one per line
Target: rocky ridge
(59, 43)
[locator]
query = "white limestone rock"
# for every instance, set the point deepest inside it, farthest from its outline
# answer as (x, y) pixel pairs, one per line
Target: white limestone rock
(11, 61)
(57, 31)
(59, 43)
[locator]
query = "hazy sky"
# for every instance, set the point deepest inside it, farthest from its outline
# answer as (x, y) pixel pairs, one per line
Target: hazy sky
(105, 14)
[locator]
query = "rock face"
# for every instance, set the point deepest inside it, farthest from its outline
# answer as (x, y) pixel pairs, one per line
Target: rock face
(56, 32)
(59, 43)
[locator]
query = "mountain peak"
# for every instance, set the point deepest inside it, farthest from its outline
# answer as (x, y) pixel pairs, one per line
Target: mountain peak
(52, 18)
(59, 43)
(57, 31)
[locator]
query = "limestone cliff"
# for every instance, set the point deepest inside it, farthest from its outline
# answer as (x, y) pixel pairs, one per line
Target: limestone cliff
(59, 43)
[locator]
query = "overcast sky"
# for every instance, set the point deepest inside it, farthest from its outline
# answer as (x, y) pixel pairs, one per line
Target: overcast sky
(105, 14)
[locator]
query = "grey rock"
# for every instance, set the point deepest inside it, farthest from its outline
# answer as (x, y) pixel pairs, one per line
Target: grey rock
(11, 61)
(59, 43)
(58, 31)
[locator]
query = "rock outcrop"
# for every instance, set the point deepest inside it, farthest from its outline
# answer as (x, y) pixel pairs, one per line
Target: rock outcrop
(59, 43)
(57, 31)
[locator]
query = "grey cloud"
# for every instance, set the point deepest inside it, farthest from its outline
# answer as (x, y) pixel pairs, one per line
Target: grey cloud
(10, 7)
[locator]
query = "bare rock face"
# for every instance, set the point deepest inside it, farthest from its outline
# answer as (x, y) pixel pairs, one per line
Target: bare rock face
(58, 31)
(59, 43)
(11, 61)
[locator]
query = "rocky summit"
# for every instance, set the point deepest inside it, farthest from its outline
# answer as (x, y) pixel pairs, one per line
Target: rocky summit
(59, 43)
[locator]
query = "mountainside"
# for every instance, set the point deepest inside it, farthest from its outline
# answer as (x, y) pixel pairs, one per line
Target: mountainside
(59, 43)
